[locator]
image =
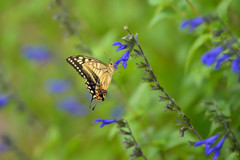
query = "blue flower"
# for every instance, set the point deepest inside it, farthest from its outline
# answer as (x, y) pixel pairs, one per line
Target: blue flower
(124, 60)
(36, 53)
(57, 85)
(3, 100)
(211, 57)
(104, 121)
(72, 106)
(208, 142)
(236, 66)
(120, 46)
(117, 111)
(124, 57)
(216, 149)
(192, 23)
(3, 148)
(221, 59)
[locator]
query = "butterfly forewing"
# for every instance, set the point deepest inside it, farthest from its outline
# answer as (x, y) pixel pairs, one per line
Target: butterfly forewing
(98, 75)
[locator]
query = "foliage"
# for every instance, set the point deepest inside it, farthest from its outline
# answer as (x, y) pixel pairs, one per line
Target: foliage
(44, 103)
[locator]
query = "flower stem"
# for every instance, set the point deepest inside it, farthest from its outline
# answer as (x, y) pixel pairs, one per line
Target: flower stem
(228, 128)
(187, 120)
(198, 14)
(134, 140)
(14, 148)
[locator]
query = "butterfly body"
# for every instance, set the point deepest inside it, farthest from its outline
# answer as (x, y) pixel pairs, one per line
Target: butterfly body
(98, 75)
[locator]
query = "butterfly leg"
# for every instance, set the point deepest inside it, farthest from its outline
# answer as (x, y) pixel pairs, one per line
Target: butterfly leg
(93, 106)
(91, 103)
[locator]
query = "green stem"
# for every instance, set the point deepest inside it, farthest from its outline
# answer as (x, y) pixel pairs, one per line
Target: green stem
(162, 89)
(134, 140)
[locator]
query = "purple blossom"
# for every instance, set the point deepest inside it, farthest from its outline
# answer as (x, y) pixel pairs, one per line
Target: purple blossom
(57, 85)
(117, 111)
(36, 53)
(212, 56)
(104, 121)
(72, 106)
(124, 57)
(217, 148)
(221, 59)
(3, 100)
(124, 60)
(236, 66)
(120, 45)
(3, 148)
(208, 142)
(192, 23)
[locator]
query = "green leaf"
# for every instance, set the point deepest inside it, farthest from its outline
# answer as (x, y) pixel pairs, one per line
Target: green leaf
(133, 56)
(147, 80)
(141, 65)
(163, 99)
(137, 51)
(233, 156)
(160, 16)
(222, 8)
(197, 43)
(157, 2)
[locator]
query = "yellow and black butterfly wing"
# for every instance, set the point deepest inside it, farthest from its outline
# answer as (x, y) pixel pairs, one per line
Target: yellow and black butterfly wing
(98, 75)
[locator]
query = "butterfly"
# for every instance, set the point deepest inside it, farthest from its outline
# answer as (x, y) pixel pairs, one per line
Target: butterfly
(98, 75)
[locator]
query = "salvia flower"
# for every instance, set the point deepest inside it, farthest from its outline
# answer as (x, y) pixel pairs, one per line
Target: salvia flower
(212, 57)
(105, 121)
(72, 106)
(3, 148)
(208, 142)
(3, 100)
(120, 45)
(124, 57)
(222, 59)
(57, 85)
(192, 23)
(124, 60)
(236, 66)
(36, 53)
(117, 111)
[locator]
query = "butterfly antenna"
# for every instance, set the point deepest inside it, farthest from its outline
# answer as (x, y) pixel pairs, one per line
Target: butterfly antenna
(109, 59)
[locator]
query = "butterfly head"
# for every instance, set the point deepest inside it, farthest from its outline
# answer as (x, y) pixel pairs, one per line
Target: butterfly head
(110, 65)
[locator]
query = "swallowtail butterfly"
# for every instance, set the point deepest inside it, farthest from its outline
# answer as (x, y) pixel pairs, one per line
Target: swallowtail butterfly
(98, 75)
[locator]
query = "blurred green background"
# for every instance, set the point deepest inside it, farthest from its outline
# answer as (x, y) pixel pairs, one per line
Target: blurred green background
(41, 130)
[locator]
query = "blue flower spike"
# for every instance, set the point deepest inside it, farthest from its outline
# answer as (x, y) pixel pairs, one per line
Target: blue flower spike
(192, 23)
(57, 85)
(211, 56)
(124, 60)
(124, 57)
(236, 67)
(3, 100)
(120, 46)
(208, 142)
(221, 60)
(36, 53)
(105, 121)
(218, 147)
(72, 106)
